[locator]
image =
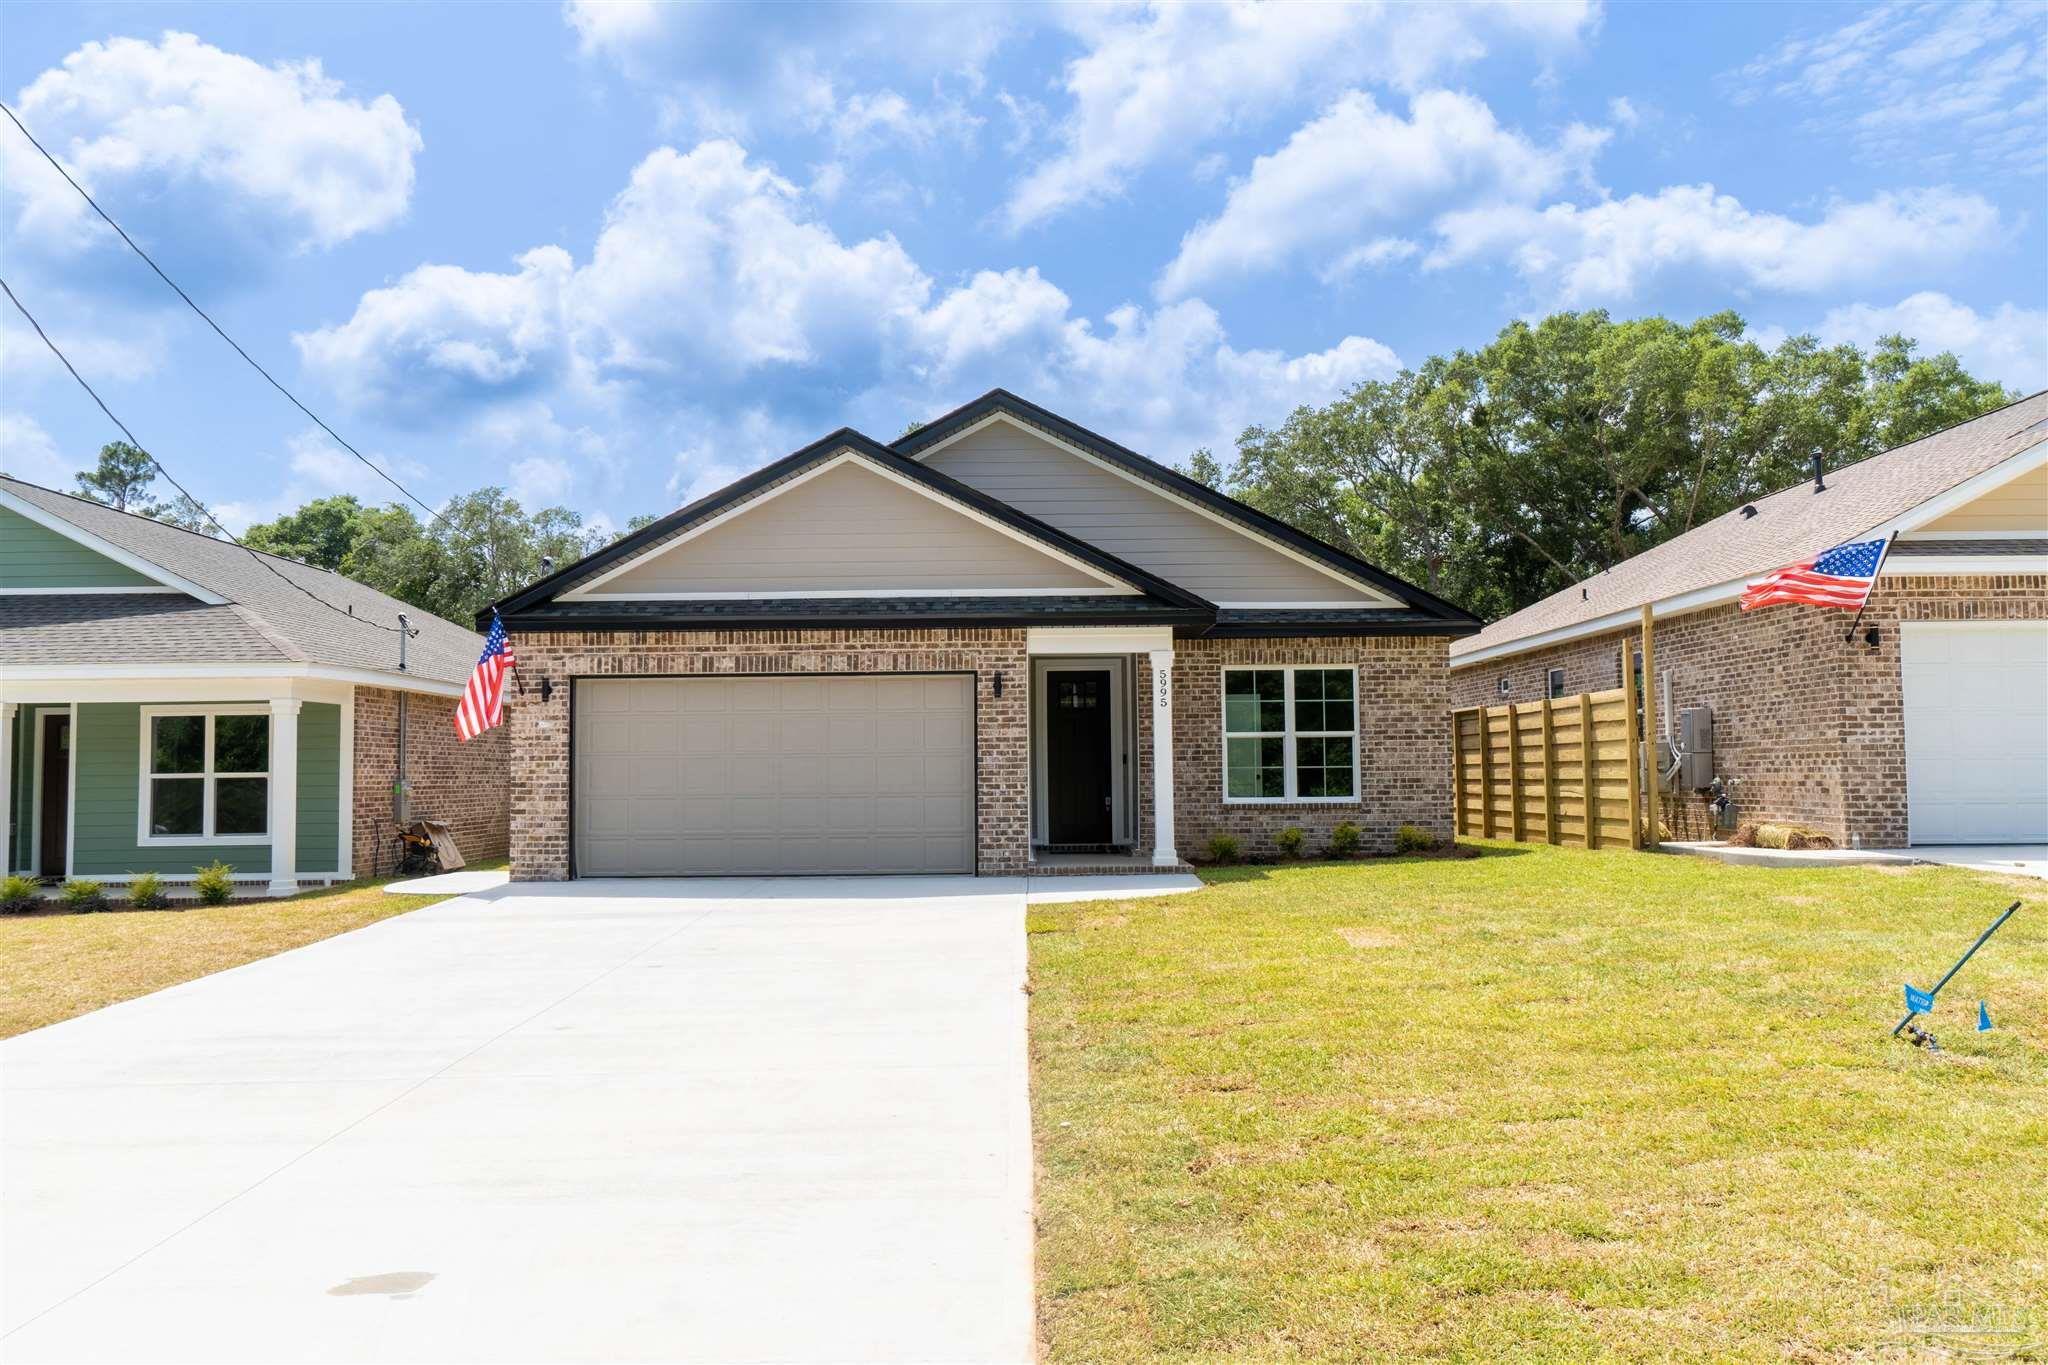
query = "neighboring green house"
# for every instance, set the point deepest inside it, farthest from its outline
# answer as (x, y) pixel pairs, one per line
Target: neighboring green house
(168, 699)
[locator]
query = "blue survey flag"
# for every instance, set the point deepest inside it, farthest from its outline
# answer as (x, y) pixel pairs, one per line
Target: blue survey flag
(1917, 1000)
(1983, 1017)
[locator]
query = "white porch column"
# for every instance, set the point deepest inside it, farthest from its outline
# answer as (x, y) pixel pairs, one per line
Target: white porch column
(1163, 854)
(284, 795)
(7, 711)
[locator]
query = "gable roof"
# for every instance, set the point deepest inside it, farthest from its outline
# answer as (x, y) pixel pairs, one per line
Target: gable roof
(251, 613)
(1150, 591)
(1901, 485)
(1173, 483)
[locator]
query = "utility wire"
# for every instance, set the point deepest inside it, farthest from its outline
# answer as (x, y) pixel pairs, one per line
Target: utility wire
(157, 465)
(289, 395)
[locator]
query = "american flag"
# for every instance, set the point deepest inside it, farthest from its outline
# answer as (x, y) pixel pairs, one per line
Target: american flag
(483, 701)
(1841, 577)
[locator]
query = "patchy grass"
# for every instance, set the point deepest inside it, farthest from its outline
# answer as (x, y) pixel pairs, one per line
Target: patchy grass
(55, 965)
(1541, 1105)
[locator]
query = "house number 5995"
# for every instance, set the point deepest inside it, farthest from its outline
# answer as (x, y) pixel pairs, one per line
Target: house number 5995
(1162, 688)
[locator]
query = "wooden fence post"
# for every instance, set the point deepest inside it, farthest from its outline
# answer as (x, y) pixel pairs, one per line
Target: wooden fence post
(1514, 773)
(1590, 772)
(1651, 767)
(1486, 771)
(1630, 750)
(1550, 833)
(1458, 821)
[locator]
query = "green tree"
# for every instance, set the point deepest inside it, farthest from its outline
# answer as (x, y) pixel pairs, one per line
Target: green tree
(322, 533)
(122, 480)
(1205, 469)
(482, 547)
(1567, 445)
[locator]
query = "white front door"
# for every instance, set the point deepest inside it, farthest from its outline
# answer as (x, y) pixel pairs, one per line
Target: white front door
(1976, 715)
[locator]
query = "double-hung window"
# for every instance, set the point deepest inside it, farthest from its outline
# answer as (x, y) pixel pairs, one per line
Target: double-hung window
(206, 775)
(1290, 734)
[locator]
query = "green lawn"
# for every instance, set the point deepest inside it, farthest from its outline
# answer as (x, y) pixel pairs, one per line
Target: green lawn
(55, 965)
(1542, 1105)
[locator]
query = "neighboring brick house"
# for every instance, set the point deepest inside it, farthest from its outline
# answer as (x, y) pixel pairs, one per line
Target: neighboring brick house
(168, 699)
(1002, 644)
(1930, 726)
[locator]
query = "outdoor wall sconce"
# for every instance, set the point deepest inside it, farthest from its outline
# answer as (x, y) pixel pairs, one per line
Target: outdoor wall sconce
(1871, 635)
(547, 688)
(999, 685)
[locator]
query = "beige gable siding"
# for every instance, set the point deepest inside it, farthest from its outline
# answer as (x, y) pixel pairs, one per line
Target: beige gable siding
(848, 529)
(1133, 522)
(2021, 505)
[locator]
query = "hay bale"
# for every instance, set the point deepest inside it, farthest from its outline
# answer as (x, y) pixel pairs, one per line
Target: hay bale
(1771, 834)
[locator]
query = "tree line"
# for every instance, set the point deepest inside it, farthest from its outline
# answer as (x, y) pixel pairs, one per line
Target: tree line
(1492, 477)
(1498, 476)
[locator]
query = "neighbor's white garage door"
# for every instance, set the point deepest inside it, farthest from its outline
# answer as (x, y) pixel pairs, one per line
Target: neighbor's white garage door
(697, 776)
(1976, 696)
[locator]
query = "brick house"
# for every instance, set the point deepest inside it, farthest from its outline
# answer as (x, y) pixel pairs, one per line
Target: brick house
(1002, 644)
(1929, 726)
(168, 699)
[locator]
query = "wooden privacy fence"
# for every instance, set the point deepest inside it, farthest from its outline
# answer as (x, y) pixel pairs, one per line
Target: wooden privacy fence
(1560, 771)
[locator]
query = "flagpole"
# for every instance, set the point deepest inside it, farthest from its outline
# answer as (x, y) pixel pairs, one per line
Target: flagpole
(1882, 556)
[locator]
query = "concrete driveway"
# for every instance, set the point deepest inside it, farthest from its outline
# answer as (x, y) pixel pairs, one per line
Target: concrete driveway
(736, 1120)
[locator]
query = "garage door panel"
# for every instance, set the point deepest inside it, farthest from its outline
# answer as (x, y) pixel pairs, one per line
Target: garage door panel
(849, 734)
(747, 775)
(1976, 719)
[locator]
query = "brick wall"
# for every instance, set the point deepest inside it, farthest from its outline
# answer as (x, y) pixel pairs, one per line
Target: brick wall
(1813, 726)
(540, 730)
(463, 784)
(1403, 742)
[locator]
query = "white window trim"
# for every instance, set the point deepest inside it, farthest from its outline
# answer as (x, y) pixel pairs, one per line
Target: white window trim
(207, 776)
(1289, 736)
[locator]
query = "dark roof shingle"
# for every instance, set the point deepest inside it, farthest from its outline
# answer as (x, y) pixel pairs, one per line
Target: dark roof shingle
(271, 608)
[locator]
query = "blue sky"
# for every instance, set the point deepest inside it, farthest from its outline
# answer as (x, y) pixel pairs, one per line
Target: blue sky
(615, 255)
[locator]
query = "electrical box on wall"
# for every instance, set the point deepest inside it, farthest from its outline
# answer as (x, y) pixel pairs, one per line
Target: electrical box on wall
(1696, 748)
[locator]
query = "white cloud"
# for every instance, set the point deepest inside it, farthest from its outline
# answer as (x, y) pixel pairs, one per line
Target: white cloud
(1356, 164)
(104, 344)
(1607, 251)
(1943, 85)
(442, 333)
(1158, 80)
(1380, 251)
(729, 70)
(1622, 112)
(318, 468)
(174, 120)
(713, 297)
(2009, 343)
(28, 453)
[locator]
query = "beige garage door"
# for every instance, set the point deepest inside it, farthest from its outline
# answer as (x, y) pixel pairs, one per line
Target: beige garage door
(724, 776)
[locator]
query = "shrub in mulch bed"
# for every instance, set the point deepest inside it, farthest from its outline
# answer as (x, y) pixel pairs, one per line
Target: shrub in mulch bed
(20, 896)
(1443, 852)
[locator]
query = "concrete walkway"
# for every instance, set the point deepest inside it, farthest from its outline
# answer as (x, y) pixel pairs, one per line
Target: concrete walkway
(736, 1120)
(2013, 860)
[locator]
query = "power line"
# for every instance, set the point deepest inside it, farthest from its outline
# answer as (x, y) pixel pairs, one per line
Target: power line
(289, 395)
(157, 465)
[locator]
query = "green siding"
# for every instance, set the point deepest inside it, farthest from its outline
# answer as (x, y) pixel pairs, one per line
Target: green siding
(33, 556)
(319, 786)
(109, 746)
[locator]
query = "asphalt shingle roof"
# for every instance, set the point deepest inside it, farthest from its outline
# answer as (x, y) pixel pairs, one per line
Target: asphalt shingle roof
(1788, 525)
(264, 612)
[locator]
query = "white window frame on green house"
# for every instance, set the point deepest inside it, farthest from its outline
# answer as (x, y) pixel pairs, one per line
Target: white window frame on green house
(207, 776)
(1289, 736)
